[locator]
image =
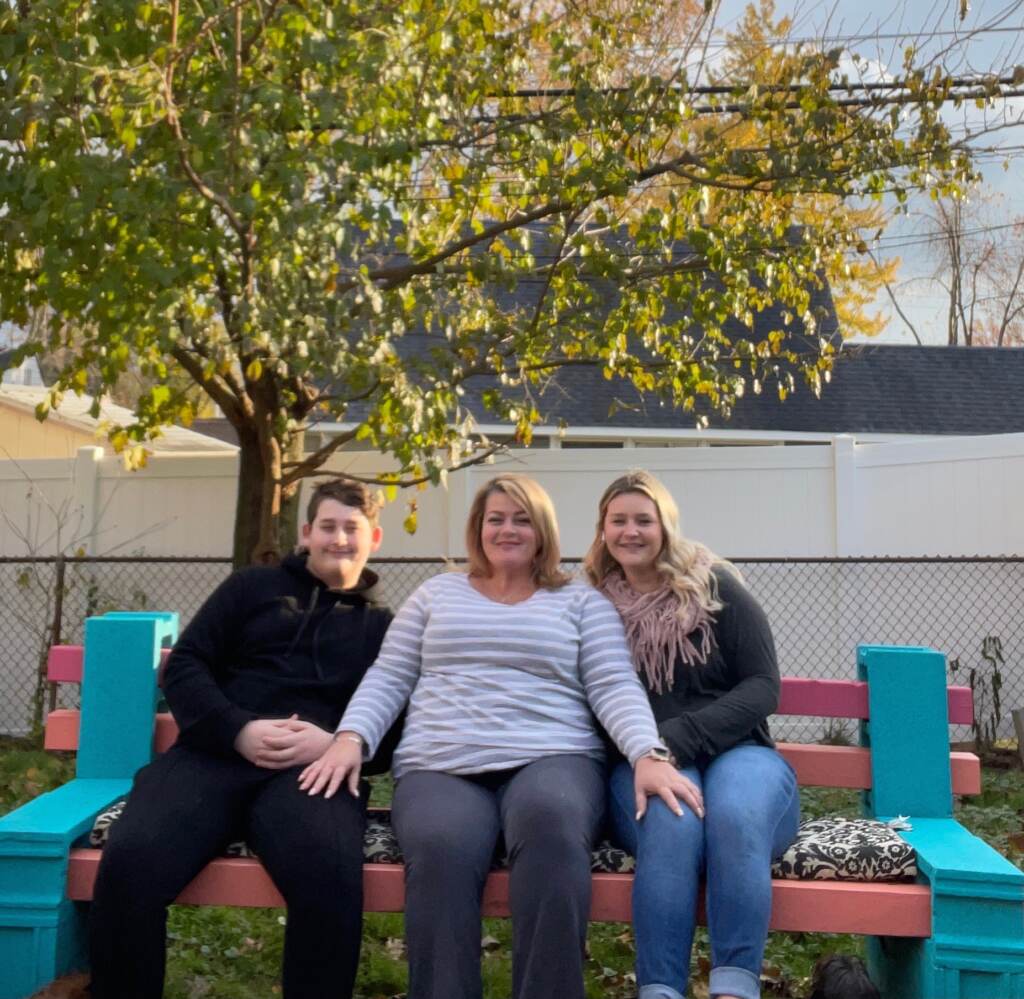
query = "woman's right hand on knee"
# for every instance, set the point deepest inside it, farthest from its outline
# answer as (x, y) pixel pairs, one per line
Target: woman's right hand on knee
(661, 778)
(341, 761)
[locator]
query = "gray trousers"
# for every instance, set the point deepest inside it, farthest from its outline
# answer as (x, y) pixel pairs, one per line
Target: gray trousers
(549, 812)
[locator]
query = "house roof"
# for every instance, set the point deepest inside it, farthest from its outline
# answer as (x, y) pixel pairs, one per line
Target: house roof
(875, 388)
(74, 413)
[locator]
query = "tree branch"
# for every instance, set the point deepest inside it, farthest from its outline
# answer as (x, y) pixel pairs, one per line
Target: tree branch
(894, 300)
(1008, 315)
(292, 471)
(405, 483)
(233, 407)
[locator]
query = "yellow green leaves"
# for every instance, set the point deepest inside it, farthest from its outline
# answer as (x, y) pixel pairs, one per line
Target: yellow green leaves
(411, 520)
(364, 223)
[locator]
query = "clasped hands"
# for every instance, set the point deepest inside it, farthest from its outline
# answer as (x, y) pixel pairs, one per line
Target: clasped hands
(279, 743)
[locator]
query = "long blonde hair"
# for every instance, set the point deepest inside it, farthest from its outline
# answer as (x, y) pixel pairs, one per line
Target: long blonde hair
(682, 563)
(530, 495)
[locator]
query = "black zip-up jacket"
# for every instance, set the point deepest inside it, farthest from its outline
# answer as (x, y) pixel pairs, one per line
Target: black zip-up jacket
(271, 642)
(727, 700)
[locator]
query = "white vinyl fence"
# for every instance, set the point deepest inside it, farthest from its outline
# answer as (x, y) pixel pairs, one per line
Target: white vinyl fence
(781, 505)
(955, 496)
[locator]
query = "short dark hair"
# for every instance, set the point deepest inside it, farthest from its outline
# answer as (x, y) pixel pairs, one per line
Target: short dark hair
(841, 976)
(348, 492)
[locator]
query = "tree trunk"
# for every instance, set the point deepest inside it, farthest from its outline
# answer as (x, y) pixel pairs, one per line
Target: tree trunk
(291, 515)
(251, 476)
(255, 489)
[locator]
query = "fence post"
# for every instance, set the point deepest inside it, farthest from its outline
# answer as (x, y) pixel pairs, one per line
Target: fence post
(57, 625)
(87, 462)
(844, 499)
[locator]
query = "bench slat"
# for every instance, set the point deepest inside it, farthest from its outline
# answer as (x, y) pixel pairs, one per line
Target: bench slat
(799, 696)
(850, 766)
(64, 663)
(849, 699)
(815, 766)
(797, 906)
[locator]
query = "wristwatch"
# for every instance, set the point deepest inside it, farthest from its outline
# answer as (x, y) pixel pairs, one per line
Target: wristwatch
(659, 753)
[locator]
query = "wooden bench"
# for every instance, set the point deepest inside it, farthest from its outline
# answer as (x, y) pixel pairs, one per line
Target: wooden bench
(958, 932)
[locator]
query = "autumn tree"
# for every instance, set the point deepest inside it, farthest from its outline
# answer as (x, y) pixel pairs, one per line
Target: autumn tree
(318, 210)
(978, 251)
(758, 55)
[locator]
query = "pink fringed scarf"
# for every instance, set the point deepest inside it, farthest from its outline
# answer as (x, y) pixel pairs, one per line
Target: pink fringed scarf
(658, 632)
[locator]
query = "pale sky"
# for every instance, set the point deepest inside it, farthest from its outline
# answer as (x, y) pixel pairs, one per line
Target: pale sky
(989, 40)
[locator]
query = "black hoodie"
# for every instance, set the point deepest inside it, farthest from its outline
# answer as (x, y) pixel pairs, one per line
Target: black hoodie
(269, 643)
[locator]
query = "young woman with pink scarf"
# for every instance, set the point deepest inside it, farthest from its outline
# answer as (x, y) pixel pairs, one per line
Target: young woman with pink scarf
(703, 650)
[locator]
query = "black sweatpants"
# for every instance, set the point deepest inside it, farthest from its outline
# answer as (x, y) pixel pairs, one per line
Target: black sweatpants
(184, 808)
(549, 812)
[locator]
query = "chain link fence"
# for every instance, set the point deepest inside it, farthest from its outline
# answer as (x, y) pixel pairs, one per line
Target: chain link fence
(820, 610)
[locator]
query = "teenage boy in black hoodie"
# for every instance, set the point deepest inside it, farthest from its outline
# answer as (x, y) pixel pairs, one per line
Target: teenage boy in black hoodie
(257, 683)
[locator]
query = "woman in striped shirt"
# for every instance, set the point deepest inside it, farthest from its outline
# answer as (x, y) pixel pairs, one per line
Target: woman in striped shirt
(503, 669)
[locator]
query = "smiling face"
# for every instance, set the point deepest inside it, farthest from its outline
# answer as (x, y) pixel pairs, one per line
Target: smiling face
(507, 535)
(633, 534)
(340, 540)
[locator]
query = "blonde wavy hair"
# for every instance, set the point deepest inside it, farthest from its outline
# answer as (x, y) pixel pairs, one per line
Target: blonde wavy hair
(679, 561)
(530, 495)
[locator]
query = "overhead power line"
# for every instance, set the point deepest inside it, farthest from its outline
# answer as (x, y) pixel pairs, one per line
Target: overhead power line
(881, 36)
(956, 83)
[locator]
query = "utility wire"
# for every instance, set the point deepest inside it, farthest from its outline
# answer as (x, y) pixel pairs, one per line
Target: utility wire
(882, 36)
(713, 90)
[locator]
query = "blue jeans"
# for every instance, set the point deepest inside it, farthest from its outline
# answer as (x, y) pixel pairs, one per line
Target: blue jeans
(752, 812)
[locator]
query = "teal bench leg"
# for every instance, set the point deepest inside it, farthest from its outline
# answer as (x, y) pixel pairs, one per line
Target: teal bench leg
(42, 933)
(41, 945)
(976, 950)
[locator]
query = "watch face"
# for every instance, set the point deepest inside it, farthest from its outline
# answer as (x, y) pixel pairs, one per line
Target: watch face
(660, 754)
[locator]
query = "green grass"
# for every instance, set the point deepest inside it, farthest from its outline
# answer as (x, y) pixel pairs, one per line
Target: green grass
(26, 772)
(216, 953)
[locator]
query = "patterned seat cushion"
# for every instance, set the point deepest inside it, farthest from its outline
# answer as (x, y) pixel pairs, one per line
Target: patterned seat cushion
(838, 849)
(826, 849)
(380, 845)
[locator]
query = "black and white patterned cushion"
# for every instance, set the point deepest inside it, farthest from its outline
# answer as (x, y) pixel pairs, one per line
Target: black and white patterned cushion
(102, 823)
(100, 831)
(608, 859)
(838, 849)
(832, 849)
(380, 845)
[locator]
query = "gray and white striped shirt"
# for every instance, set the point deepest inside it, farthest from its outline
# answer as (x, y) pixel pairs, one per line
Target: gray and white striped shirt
(492, 686)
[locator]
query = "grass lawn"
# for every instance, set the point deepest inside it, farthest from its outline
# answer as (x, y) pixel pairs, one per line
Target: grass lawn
(235, 953)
